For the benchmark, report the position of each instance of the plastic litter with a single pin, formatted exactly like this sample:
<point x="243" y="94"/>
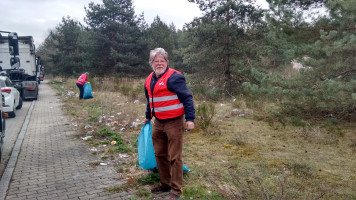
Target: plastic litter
<point x="71" y="93"/>
<point x="135" y="124"/>
<point x="87" y="137"/>
<point x="87" y="126"/>
<point x="123" y="156"/>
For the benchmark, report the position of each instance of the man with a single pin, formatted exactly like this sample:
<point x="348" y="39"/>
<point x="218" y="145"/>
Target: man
<point x="168" y="99"/>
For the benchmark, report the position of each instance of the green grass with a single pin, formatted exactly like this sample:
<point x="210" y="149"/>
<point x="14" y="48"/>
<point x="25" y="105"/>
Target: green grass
<point x="151" y="178"/>
<point x="264" y="155"/>
<point x="200" y="192"/>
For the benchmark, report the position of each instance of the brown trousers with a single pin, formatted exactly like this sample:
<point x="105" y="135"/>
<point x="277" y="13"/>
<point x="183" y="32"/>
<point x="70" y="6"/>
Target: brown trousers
<point x="167" y="140"/>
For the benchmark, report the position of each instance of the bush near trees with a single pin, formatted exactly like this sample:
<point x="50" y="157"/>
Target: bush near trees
<point x="234" y="49"/>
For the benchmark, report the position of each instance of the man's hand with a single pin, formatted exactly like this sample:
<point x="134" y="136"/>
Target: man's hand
<point x="146" y="120"/>
<point x="189" y="125"/>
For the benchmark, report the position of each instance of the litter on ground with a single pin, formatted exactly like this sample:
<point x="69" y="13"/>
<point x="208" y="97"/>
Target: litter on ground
<point x="87" y="137"/>
<point x="123" y="156"/>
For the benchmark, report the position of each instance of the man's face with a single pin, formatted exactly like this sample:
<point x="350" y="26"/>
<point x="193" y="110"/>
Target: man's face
<point x="159" y="65"/>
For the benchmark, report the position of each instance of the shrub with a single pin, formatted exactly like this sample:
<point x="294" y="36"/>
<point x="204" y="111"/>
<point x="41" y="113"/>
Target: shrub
<point x="205" y="113"/>
<point x="302" y="95"/>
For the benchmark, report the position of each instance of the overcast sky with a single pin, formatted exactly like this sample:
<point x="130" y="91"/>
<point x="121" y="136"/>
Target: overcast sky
<point x="37" y="17"/>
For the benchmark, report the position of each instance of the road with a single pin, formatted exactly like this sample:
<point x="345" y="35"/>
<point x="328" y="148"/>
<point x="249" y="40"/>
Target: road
<point x="13" y="128"/>
<point x="48" y="161"/>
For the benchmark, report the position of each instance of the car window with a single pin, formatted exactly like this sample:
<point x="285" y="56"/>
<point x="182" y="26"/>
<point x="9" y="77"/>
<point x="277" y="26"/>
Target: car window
<point x="2" y="82"/>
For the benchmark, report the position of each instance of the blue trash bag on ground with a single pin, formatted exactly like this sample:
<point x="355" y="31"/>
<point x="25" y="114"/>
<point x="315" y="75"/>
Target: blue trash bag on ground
<point x="87" y="94"/>
<point x="146" y="154"/>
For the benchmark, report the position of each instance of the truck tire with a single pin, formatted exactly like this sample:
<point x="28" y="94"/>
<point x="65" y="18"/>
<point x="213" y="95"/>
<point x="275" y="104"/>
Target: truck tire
<point x="20" y="104"/>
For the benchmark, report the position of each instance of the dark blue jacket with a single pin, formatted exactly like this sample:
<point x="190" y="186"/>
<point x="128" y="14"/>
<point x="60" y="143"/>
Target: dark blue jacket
<point x="176" y="83"/>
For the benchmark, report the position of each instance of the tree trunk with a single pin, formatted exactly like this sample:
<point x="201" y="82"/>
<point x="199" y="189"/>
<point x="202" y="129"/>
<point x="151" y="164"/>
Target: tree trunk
<point x="227" y="72"/>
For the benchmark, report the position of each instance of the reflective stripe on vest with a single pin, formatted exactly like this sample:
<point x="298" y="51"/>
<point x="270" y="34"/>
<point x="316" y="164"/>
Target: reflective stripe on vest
<point x="166" y="98"/>
<point x="167" y="108"/>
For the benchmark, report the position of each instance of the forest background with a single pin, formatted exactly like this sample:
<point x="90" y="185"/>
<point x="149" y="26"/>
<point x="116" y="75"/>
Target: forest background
<point x="274" y="89"/>
<point x="233" y="50"/>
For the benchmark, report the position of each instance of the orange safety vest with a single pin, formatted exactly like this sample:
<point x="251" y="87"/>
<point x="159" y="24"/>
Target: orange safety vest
<point x="82" y="79"/>
<point x="165" y="103"/>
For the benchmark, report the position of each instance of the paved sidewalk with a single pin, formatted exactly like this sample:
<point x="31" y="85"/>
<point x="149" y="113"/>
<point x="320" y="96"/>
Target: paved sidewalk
<point x="53" y="164"/>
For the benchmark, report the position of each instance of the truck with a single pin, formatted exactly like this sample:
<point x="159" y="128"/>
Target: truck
<point x="40" y="68"/>
<point x="18" y="61"/>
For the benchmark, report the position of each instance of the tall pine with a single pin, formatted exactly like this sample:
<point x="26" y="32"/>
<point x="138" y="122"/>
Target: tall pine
<point x="219" y="39"/>
<point x="117" y="28"/>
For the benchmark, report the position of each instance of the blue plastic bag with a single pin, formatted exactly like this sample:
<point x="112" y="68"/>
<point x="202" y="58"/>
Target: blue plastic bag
<point x="87" y="94"/>
<point x="146" y="154"/>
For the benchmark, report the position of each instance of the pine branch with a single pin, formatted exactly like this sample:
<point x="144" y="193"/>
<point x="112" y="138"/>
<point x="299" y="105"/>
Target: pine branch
<point x="345" y="73"/>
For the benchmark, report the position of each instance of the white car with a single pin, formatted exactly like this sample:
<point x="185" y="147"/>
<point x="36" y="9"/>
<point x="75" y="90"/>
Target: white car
<point x="12" y="96"/>
<point x="2" y="124"/>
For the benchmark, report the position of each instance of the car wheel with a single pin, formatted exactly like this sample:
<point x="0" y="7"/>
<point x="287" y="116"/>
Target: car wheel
<point x="20" y="103"/>
<point x="3" y="126"/>
<point x="12" y="114"/>
<point x="1" y="144"/>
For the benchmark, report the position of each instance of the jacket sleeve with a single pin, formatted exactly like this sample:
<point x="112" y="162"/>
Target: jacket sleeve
<point x="177" y="84"/>
<point x="148" y="109"/>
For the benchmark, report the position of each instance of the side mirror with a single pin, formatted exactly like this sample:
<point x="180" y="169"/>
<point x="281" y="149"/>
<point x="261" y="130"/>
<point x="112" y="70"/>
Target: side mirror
<point x="13" y="44"/>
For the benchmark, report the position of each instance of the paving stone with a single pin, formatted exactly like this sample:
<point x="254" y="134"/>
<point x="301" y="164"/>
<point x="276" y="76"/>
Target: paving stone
<point x="52" y="163"/>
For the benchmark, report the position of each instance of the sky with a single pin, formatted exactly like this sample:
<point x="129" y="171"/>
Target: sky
<point x="37" y="17"/>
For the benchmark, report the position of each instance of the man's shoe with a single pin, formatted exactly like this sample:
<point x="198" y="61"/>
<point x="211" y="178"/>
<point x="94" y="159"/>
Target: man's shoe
<point x="172" y="196"/>
<point x="159" y="189"/>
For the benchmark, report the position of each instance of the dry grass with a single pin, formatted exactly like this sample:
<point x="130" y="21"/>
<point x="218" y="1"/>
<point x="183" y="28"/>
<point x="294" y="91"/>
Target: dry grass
<point x="244" y="157"/>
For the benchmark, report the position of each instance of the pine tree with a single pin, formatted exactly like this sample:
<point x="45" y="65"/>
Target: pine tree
<point x="115" y="20"/>
<point x="219" y="38"/>
<point x="65" y="39"/>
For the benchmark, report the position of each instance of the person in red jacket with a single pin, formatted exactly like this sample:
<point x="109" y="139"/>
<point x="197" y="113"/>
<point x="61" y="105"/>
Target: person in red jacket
<point x="81" y="82"/>
<point x="168" y="100"/>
